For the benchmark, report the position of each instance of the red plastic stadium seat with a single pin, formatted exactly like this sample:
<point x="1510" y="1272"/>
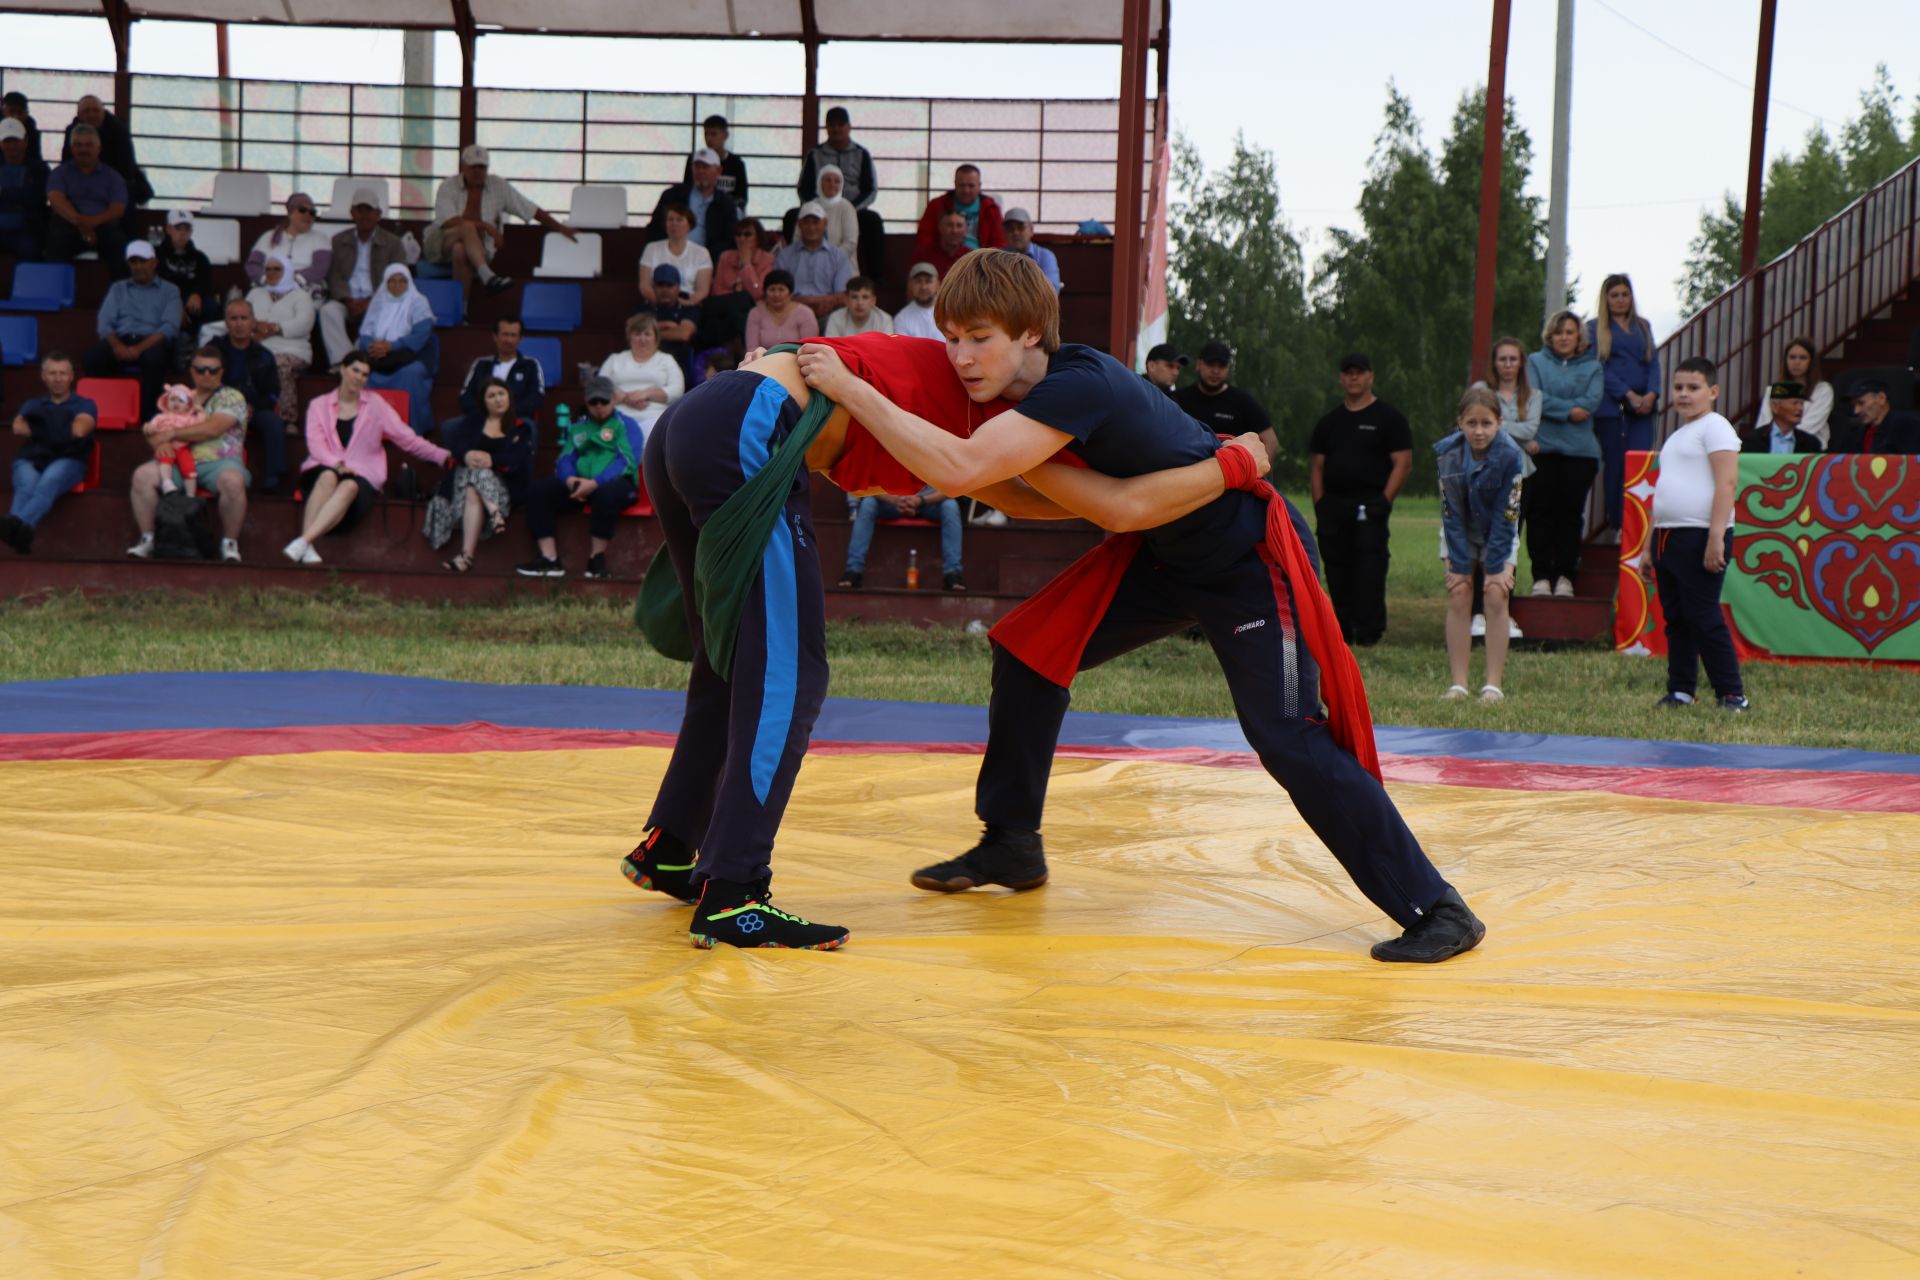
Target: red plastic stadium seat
<point x="642" y="504"/>
<point x="399" y="401"/>
<point x="118" y="400"/>
<point x="93" y="473"/>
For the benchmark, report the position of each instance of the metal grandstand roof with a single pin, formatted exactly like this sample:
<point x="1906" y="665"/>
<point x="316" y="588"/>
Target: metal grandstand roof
<point x="988" y="21"/>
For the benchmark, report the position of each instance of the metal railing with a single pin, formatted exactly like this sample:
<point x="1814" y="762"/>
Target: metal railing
<point x="1055" y="158"/>
<point x="1822" y="288"/>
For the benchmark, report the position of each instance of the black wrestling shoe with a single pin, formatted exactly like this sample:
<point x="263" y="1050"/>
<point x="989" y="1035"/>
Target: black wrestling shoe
<point x="1447" y="929"/>
<point x="662" y="864"/>
<point x="743" y="915"/>
<point x="1004" y="856"/>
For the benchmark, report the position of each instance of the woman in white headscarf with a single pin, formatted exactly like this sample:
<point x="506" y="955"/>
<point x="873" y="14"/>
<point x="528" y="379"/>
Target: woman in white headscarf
<point x="283" y="323"/>
<point x="397" y="336"/>
<point x="843" y="220"/>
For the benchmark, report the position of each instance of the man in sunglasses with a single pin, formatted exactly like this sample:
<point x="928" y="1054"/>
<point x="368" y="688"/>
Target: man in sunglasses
<point x="219" y="459"/>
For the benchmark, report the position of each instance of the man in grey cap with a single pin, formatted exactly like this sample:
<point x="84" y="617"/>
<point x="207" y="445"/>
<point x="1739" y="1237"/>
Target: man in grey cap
<point x="915" y="320"/>
<point x="599" y="469"/>
<point x="1018" y="224"/>
<point x="469" y="221"/>
<point x="361" y="256"/>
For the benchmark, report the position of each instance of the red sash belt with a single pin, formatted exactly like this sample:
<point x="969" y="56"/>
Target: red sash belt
<point x="1049" y="631"/>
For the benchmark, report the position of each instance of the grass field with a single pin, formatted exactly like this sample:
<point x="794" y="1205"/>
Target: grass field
<point x="1584" y="691"/>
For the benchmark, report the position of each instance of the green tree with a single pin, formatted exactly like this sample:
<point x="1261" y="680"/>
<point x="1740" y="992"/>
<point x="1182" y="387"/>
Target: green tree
<point x="1402" y="287"/>
<point x="1802" y="190"/>
<point x="1236" y="273"/>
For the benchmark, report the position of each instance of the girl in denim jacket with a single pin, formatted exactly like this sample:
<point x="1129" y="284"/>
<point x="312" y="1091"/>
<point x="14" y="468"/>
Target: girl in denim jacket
<point x="1479" y="467"/>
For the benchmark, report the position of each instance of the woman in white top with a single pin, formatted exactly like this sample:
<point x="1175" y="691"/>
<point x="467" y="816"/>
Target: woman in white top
<point x="283" y="321"/>
<point x="695" y="263"/>
<point x="309" y="250"/>
<point x="647" y="378"/>
<point x="843" y="221"/>
<point x="1802" y="365"/>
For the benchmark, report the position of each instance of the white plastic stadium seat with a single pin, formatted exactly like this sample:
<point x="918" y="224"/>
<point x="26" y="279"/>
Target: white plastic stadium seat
<point x="219" y="239"/>
<point x="341" y="210"/>
<point x="570" y="260"/>
<point x="241" y="195"/>
<point x="603" y="208"/>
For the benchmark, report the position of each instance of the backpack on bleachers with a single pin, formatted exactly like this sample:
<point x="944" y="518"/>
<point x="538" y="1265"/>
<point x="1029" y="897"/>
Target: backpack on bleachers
<point x="180" y="529"/>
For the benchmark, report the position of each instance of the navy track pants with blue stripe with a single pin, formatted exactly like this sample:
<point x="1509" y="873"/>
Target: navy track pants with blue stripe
<point x="741" y="740"/>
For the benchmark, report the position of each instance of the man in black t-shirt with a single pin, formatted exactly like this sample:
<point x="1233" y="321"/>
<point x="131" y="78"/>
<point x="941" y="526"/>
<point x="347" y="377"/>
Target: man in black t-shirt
<point x="1362" y="454"/>
<point x="1164" y="363"/>
<point x="1225" y="410"/>
<point x="1211" y="567"/>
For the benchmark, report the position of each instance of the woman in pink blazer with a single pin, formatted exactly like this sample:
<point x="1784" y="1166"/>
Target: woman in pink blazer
<point x="347" y="434"/>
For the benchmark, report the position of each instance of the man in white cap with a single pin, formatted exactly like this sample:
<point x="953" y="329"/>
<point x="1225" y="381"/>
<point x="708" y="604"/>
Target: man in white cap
<point x="915" y="320"/>
<point x="820" y="271"/>
<point x="713" y="211"/>
<point x="361" y="255"/>
<point x="1018" y="224"/>
<point x="23" y="193"/>
<point x="187" y="268"/>
<point x="469" y="221"/>
<point x="732" y="182"/>
<point x="137" y="324"/>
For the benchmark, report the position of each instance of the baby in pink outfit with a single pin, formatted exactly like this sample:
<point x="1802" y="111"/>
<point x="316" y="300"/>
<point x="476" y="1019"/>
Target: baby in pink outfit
<point x="177" y="412"/>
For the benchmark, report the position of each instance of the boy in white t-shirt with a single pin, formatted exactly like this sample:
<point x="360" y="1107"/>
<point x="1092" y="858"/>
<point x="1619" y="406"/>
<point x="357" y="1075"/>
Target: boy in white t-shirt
<point x="860" y="315"/>
<point x="1693" y="537"/>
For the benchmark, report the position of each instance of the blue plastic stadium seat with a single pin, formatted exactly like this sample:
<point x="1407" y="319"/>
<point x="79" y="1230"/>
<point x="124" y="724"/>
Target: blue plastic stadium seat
<point x="41" y="286"/>
<point x="448" y="298"/>
<point x="424" y="270"/>
<point x="20" y="340"/>
<point x="550" y="307"/>
<point x="547" y="352"/>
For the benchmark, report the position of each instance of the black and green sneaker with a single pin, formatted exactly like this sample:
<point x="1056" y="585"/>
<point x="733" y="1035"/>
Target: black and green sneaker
<point x="743" y="915"/>
<point x="663" y="864"/>
<point x="1004" y="856"/>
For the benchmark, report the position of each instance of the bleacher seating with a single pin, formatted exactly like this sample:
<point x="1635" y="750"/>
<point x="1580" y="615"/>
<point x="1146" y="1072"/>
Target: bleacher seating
<point x="340" y="208"/>
<point x="551" y="308"/>
<point x="448" y="299"/>
<point x="117" y="399"/>
<point x="396" y="399"/>
<point x="219" y="239"/>
<point x="598" y="208"/>
<point x="241" y="195"/>
<point x="41" y="286"/>
<point x="552" y="363"/>
<point x="19" y="340"/>
<point x="570" y="259"/>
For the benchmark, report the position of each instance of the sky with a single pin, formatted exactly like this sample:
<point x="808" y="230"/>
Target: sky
<point x="1661" y="90"/>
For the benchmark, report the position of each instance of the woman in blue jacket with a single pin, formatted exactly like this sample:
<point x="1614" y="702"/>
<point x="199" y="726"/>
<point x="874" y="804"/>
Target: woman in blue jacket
<point x="1630" y="363"/>
<point x="1570" y="383"/>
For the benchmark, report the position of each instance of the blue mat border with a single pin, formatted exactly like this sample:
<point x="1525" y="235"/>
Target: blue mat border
<point x="283" y="699"/>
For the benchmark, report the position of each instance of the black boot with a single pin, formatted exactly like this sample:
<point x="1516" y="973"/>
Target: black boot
<point x="743" y="915"/>
<point x="663" y="864"/>
<point x="1447" y="929"/>
<point x="1004" y="856"/>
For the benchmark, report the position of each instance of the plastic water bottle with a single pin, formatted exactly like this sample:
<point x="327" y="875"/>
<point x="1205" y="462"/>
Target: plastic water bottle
<point x="913" y="569"/>
<point x="563" y="418"/>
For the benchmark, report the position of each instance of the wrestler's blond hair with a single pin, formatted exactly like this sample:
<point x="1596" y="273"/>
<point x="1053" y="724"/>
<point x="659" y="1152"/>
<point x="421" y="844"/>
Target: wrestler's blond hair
<point x="1005" y="290"/>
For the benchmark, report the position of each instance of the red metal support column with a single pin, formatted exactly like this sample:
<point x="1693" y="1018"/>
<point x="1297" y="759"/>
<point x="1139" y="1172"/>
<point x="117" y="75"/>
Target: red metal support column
<point x="1492" y="162"/>
<point x="1124" y="322"/>
<point x="469" y="33"/>
<point x="1750" y="221"/>
<point x="810" y="91"/>
<point x="120" y="25"/>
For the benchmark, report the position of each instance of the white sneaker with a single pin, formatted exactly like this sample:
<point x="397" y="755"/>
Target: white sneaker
<point x="989" y="516"/>
<point x="1478" y="627"/>
<point x="1542" y="587"/>
<point x="229" y="551"/>
<point x="1455" y="692"/>
<point x="143" y="549"/>
<point x="309" y="556"/>
<point x="295" y="550"/>
<point x="1513" y="630"/>
<point x="1491" y="693"/>
<point x="1563" y="587"/>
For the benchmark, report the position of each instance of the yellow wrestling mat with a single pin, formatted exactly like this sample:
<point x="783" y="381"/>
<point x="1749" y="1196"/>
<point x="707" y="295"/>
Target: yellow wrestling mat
<point x="357" y="1015"/>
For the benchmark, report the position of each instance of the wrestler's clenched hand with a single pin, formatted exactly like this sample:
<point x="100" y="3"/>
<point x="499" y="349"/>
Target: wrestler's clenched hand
<point x="825" y="371"/>
<point x="1253" y="444"/>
